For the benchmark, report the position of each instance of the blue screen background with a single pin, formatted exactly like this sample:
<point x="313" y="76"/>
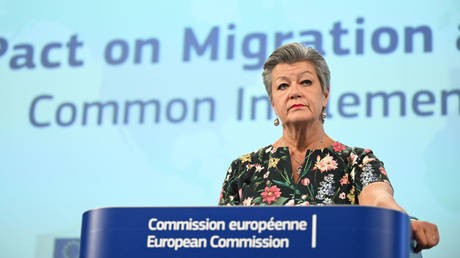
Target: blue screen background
<point x="56" y="162"/>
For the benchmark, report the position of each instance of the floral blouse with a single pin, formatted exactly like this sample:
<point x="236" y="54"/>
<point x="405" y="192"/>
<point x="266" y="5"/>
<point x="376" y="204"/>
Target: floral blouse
<point x="334" y="175"/>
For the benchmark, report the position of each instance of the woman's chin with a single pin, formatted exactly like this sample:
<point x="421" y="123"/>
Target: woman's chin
<point x="299" y="121"/>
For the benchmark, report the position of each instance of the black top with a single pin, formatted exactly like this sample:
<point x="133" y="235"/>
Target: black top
<point x="334" y="175"/>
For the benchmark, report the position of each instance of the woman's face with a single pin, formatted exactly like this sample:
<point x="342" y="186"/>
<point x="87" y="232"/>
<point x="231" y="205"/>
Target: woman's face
<point x="297" y="95"/>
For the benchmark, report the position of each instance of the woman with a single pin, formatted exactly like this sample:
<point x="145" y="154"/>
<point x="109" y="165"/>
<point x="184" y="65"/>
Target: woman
<point x="305" y="166"/>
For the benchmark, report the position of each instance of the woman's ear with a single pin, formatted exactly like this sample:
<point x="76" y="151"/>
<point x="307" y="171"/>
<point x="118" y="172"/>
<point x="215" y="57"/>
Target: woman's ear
<point x="273" y="106"/>
<point x="326" y="98"/>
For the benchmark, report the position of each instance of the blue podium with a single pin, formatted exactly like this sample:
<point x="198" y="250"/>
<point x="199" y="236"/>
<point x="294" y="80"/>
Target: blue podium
<point x="320" y="231"/>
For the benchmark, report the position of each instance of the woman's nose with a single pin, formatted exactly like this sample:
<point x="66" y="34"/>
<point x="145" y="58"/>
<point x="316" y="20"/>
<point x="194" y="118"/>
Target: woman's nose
<point x="294" y="91"/>
<point x="294" y="95"/>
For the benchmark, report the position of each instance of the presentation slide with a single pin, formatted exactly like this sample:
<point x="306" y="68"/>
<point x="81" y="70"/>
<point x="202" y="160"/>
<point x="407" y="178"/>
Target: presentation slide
<point x="146" y="103"/>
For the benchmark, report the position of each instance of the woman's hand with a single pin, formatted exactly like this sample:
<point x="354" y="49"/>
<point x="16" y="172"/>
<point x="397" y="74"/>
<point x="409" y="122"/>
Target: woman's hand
<point x="425" y="233"/>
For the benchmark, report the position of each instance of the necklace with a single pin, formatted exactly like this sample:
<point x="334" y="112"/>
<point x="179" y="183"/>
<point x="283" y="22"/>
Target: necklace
<point x="299" y="167"/>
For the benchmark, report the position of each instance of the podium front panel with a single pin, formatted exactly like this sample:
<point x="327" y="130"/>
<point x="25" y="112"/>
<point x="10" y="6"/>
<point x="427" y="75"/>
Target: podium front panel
<point x="320" y="231"/>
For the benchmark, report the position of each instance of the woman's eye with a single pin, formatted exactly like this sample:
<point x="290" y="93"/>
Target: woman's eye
<point x="306" y="82"/>
<point x="282" y="86"/>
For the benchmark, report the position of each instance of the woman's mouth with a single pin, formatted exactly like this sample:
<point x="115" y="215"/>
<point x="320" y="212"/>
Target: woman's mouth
<point x="296" y="106"/>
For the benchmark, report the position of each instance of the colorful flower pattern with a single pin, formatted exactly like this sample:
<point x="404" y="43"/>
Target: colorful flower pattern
<point x="338" y="147"/>
<point x="271" y="194"/>
<point x="325" y="164"/>
<point x="334" y="175"/>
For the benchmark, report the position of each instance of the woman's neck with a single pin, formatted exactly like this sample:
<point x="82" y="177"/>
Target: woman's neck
<point x="303" y="137"/>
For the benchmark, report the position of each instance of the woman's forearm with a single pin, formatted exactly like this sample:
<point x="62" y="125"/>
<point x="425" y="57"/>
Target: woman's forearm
<point x="379" y="194"/>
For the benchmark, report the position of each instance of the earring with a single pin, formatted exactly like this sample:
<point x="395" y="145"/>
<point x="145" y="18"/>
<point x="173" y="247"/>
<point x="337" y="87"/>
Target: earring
<point x="276" y="122"/>
<point x="323" y="115"/>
